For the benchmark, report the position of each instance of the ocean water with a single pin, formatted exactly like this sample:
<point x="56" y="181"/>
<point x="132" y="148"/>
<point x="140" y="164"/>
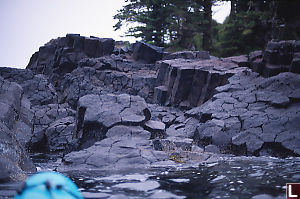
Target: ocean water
<point x="241" y="177"/>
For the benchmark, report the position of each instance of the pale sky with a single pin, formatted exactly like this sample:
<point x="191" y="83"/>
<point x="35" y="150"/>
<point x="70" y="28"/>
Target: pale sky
<point x="25" y="25"/>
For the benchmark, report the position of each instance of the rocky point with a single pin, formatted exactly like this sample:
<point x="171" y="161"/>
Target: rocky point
<point x="106" y="108"/>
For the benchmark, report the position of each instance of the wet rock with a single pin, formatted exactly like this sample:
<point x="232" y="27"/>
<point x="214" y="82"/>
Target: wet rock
<point x="263" y="196"/>
<point x="165" y="194"/>
<point x="186" y="129"/>
<point x="172" y="144"/>
<point x="88" y="195"/>
<point x="124" y="148"/>
<point x="139" y="186"/>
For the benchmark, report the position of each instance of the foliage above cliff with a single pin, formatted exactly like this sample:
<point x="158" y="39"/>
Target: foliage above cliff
<point x="188" y="24"/>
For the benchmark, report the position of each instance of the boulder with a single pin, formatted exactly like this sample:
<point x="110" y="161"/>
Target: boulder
<point x="147" y="53"/>
<point x="97" y="47"/>
<point x="59" y="135"/>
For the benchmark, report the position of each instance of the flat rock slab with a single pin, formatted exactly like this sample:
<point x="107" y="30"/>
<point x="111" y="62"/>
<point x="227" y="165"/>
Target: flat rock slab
<point x="124" y="148"/>
<point x="155" y="126"/>
<point x="110" y="109"/>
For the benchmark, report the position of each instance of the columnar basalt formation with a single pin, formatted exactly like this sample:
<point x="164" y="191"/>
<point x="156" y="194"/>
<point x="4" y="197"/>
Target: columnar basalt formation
<point x="281" y="56"/>
<point x="102" y="107"/>
<point x="252" y="115"/>
<point x="189" y="83"/>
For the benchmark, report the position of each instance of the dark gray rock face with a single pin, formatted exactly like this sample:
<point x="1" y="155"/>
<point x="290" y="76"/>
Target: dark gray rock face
<point x="189" y="83"/>
<point x="37" y="88"/>
<point x="77" y="66"/>
<point x="107" y="74"/>
<point x="98" y="113"/>
<point x="15" y="132"/>
<point x="147" y="53"/>
<point x="252" y="115"/>
<point x="54" y="126"/>
<point x="82" y="94"/>
<point x="61" y="56"/>
<point x="278" y="57"/>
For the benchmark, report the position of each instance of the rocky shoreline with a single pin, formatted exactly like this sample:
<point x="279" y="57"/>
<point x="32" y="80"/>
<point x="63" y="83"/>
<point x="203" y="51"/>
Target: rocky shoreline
<point x="133" y="107"/>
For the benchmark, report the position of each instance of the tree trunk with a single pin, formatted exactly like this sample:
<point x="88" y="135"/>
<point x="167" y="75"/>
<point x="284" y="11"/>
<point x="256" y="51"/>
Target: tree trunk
<point x="233" y="7"/>
<point x="207" y="33"/>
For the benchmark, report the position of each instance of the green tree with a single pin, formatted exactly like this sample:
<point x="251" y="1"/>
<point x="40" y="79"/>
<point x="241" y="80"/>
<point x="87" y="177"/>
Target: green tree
<point x="252" y="23"/>
<point x="287" y="20"/>
<point x="207" y="31"/>
<point x="247" y="28"/>
<point x="149" y="16"/>
<point x="181" y="23"/>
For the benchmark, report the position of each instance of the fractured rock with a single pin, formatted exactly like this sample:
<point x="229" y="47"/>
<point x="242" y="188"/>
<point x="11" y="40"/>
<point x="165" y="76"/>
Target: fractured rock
<point x="189" y="83"/>
<point x="278" y="57"/>
<point x="98" y="113"/>
<point x="260" y="117"/>
<point x="15" y="132"/>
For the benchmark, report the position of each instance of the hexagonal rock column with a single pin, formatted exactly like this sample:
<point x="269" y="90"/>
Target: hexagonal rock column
<point x="189" y="83"/>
